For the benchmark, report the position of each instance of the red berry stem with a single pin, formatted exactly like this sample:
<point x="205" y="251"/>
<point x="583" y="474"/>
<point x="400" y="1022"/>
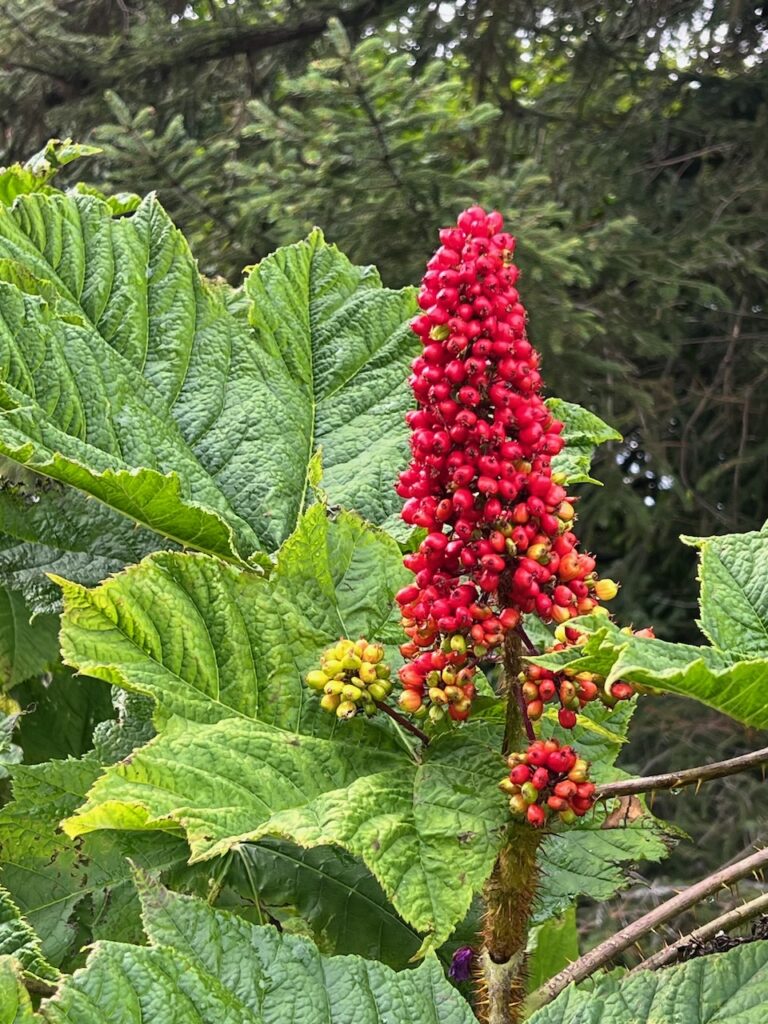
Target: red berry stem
<point x="527" y="723"/>
<point x="403" y="721"/>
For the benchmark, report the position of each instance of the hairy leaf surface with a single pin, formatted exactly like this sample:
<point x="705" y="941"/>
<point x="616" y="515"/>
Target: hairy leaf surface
<point x="238" y="780"/>
<point x="214" y="968"/>
<point x="131" y="378"/>
<point x="207" y="640"/>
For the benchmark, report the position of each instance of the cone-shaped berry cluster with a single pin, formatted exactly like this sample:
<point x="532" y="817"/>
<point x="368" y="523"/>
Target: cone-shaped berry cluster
<point x="569" y="688"/>
<point x="548" y="780"/>
<point x="352" y="677"/>
<point x="500" y="540"/>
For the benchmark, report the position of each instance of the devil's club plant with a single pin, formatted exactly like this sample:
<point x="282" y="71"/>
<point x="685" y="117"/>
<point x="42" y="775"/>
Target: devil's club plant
<point x="287" y="801"/>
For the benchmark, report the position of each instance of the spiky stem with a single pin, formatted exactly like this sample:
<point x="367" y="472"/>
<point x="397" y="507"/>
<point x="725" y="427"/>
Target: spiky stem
<point x="510" y="891"/>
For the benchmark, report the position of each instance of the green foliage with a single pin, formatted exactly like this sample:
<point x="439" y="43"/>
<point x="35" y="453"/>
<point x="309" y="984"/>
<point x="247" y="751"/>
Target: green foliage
<point x="207" y="640"/>
<point x="15" y="1004"/>
<point x="328" y="892"/>
<point x="217" y="968"/>
<point x="60" y="715"/>
<point x="238" y="444"/>
<point x="731" y="986"/>
<point x="26" y="649"/>
<point x="734" y="613"/>
<point x="551" y="947"/>
<point x="17" y="939"/>
<point x="183" y="376"/>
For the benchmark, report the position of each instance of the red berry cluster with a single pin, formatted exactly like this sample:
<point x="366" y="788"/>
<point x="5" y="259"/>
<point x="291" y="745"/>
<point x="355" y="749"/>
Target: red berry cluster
<point x="499" y="540"/>
<point x="548" y="779"/>
<point x="570" y="688"/>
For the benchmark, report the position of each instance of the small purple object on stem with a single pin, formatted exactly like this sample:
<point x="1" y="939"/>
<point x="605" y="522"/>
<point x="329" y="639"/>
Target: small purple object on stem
<point x="461" y="963"/>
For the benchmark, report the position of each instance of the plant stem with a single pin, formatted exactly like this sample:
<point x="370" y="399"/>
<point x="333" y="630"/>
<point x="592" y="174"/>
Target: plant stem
<point x="517" y="719"/>
<point x="674" y="780"/>
<point x="610" y="949"/>
<point x="510" y="891"/>
<point x="402" y="721"/>
<point x="731" y="919"/>
<point x="508" y="896"/>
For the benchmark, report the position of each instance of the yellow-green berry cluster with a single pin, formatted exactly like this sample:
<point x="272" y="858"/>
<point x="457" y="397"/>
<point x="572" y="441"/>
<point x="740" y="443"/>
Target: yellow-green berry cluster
<point x="352" y="677"/>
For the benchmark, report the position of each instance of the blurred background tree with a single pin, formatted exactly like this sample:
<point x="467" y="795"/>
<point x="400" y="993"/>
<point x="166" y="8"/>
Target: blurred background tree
<point x="626" y="142"/>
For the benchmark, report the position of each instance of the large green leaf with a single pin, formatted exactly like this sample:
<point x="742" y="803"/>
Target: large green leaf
<point x="243" y="771"/>
<point x="62" y="886"/>
<point x="211" y="967"/>
<point x="429" y="832"/>
<point x="734" y="592"/>
<point x="15" y="1004"/>
<point x="27" y="648"/>
<point x="713" y="677"/>
<point x="331" y="892"/>
<point x="583" y="433"/>
<point x="725" y="987"/>
<point x="591" y="861"/>
<point x="18" y="939"/>
<point x="195" y="416"/>
<point x="339" y="352"/>
<point x="732" y="674"/>
<point x="207" y="640"/>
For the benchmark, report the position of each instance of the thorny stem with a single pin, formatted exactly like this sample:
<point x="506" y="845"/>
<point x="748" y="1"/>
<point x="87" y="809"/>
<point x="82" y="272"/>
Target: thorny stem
<point x="686" y="777"/>
<point x="616" y="944"/>
<point x="517" y="715"/>
<point x="402" y="721"/>
<point x="731" y="919"/>
<point x="510" y="891"/>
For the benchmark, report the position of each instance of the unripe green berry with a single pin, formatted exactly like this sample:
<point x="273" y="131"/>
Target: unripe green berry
<point x="346" y="709"/>
<point x="529" y="793"/>
<point x="316" y="680"/>
<point x="350" y="692"/>
<point x="368" y="673"/>
<point x="517" y="804"/>
<point x="334" y="686"/>
<point x="330" y="701"/>
<point x="377" y="691"/>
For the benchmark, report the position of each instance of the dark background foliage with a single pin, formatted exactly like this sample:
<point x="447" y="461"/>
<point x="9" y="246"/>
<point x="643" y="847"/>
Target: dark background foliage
<point x="625" y="142"/>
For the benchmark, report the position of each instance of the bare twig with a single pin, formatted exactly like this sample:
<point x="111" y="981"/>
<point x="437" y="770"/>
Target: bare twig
<point x="732" y="919"/>
<point x="686" y="777"/>
<point x="611" y="948"/>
